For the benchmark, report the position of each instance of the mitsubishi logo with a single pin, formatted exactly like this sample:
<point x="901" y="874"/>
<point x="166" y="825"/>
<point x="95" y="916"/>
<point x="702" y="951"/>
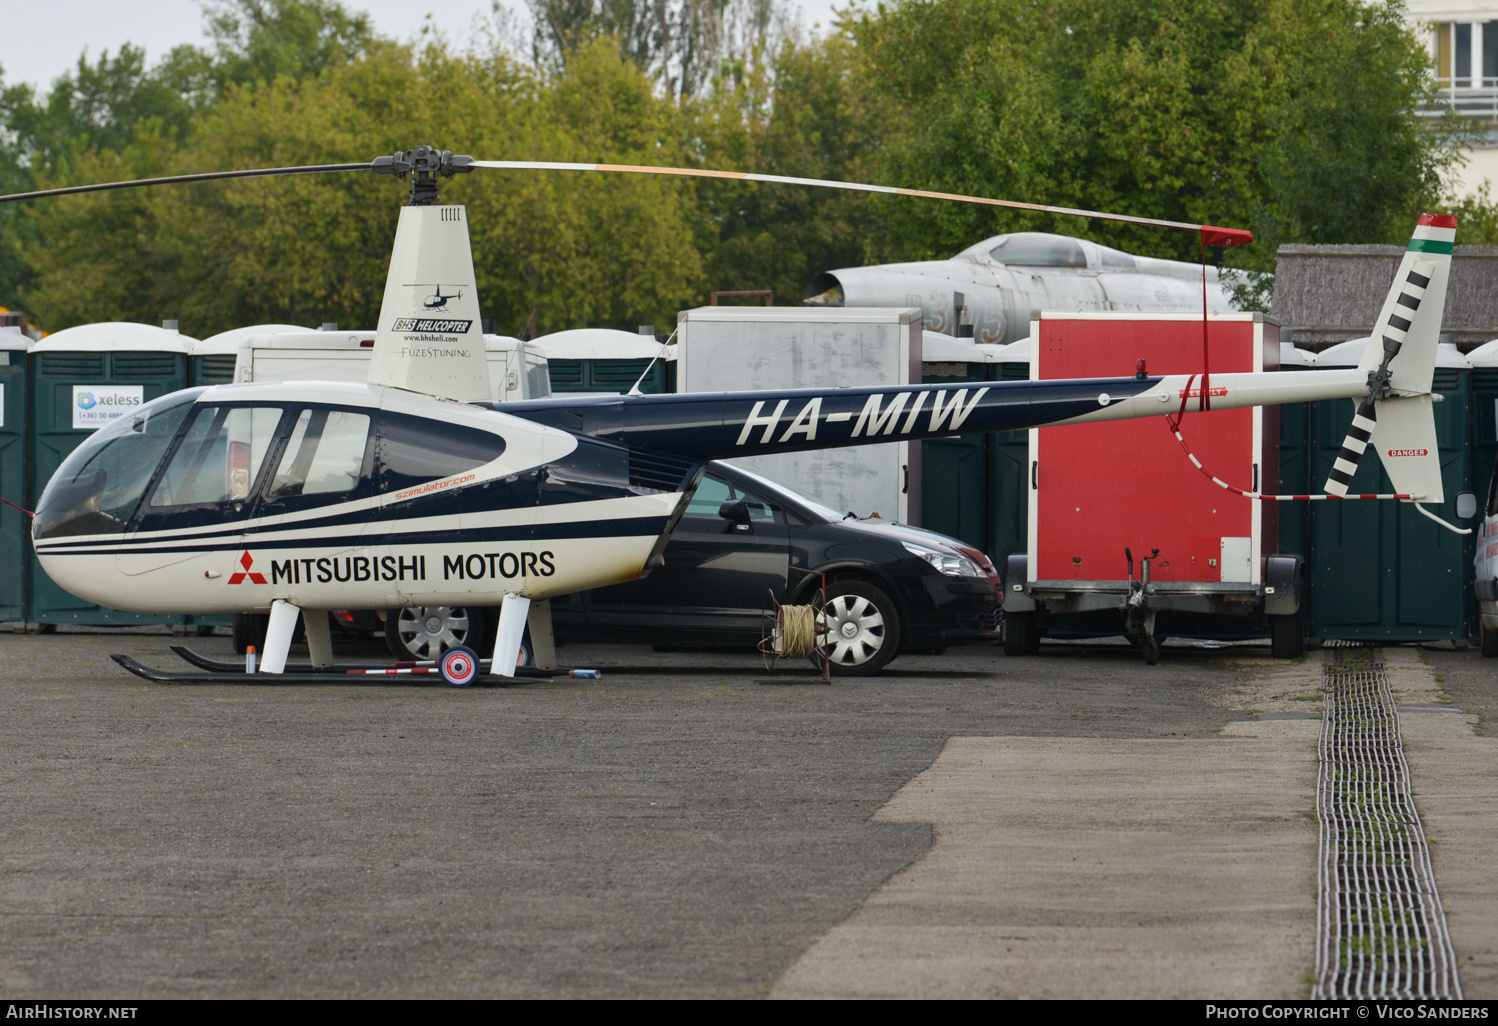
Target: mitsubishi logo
<point x="246" y="562"/>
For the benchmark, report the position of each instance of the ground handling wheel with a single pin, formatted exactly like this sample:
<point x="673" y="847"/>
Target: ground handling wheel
<point x="458" y="666"/>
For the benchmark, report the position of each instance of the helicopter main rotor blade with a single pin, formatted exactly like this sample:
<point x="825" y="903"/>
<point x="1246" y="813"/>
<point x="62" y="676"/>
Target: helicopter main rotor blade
<point x="1212" y="234"/>
<point x="428" y="163"/>
<point x="209" y="176"/>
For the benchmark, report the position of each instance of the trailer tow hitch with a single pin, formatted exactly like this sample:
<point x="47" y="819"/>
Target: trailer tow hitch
<point x="1139" y="618"/>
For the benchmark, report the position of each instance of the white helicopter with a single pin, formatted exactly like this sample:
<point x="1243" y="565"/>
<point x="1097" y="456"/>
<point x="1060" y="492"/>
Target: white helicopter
<point x="415" y="489"/>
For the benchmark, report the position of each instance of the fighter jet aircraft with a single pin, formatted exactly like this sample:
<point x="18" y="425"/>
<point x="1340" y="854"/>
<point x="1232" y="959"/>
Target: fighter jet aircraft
<point x="995" y="285"/>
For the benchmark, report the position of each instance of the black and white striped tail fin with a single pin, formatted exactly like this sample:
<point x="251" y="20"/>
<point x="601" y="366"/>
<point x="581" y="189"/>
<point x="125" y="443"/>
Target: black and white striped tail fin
<point x="1353" y="446"/>
<point x="1400" y="362"/>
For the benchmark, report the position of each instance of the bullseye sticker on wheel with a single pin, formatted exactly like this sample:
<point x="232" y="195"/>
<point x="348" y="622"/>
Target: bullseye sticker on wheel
<point x="459" y="666"/>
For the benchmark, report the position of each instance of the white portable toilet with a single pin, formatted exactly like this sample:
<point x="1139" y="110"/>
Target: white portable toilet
<point x="212" y="361"/>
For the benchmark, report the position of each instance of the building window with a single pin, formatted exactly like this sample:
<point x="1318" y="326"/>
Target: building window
<point x="1466" y="54"/>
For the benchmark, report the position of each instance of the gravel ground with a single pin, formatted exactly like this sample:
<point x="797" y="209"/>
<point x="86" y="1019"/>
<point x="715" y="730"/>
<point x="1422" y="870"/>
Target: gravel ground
<point x="685" y="826"/>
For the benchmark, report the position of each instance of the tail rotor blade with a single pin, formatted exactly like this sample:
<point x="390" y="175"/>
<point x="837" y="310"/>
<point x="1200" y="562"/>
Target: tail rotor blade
<point x="1353" y="446"/>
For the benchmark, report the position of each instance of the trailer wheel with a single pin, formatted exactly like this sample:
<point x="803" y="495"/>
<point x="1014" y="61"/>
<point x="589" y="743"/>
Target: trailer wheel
<point x="1150" y="646"/>
<point x="1287" y="636"/>
<point x="1489" y="641"/>
<point x="1021" y="634"/>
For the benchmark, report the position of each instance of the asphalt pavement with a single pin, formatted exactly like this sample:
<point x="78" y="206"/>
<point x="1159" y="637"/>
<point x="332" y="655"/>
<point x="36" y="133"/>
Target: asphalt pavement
<point x="686" y="826"/>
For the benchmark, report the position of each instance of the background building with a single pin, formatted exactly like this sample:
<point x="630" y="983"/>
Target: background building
<point x="1463" y="39"/>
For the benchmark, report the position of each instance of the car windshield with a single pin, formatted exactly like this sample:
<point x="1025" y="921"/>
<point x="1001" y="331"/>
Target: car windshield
<point x="780" y="491"/>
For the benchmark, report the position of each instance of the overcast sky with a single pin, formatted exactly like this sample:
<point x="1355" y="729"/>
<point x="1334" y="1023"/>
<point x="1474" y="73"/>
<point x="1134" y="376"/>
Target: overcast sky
<point x="43" y="39"/>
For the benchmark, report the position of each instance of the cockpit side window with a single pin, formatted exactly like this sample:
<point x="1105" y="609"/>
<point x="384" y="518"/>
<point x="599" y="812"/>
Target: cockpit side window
<point x="98" y="486"/>
<point x="413" y="450"/>
<point x="325" y="461"/>
<point x="219" y="457"/>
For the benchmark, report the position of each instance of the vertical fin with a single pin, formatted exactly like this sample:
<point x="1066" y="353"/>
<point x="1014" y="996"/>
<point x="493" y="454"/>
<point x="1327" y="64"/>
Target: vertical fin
<point x="1401" y="355"/>
<point x="430" y="338"/>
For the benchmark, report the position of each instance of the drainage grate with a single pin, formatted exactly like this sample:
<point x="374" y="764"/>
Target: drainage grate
<point x="1381" y="932"/>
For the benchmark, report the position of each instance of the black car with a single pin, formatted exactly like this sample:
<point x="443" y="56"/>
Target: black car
<point x="890" y="588"/>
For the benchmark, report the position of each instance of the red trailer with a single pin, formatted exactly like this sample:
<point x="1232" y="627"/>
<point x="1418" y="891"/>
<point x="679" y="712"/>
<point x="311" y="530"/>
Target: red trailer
<point x="1126" y="536"/>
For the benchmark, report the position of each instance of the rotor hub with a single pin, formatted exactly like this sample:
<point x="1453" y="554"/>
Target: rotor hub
<point x="424" y="164"/>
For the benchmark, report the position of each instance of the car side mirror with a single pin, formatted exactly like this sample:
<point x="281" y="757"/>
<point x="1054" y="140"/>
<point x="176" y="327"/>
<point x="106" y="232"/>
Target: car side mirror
<point x="736" y="510"/>
<point x="1466" y="506"/>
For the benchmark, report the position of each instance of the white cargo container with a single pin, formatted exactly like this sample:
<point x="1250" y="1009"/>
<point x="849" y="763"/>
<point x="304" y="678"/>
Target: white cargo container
<point x="730" y="349"/>
<point x="516" y="370"/>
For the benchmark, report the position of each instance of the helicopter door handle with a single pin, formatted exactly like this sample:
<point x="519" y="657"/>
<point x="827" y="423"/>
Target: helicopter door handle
<point x="1035" y="474"/>
<point x="1256" y="478"/>
<point x="905" y="488"/>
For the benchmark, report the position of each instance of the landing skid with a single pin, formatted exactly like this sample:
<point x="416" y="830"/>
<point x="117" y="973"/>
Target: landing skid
<point x="218" y="671"/>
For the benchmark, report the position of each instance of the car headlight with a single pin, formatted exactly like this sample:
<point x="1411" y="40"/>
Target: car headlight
<point x="949" y="563"/>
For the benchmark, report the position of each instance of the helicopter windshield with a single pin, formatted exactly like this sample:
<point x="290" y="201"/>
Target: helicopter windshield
<point x="100" y="483"/>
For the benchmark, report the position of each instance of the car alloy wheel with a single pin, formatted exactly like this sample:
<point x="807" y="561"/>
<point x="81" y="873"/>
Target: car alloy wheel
<point x="863" y="629"/>
<point x="425" y="632"/>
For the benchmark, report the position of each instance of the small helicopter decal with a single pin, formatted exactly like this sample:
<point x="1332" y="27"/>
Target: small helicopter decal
<point x="415" y="489"/>
<point x="437" y="301"/>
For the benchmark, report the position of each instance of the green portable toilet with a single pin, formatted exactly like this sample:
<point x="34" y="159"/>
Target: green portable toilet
<point x="81" y="378"/>
<point x="1295" y="456"/>
<point x="605" y="360"/>
<point x="1379" y="570"/>
<point x="954" y="471"/>
<point x="211" y="361"/>
<point x="13" y="524"/>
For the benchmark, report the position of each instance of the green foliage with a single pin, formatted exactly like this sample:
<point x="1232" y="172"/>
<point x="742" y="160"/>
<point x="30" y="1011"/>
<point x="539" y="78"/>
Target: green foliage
<point x="1290" y="117"/>
<point x="1476" y="218"/>
<point x="262" y="40"/>
<point x="802" y="115"/>
<point x="582" y="250"/>
<point x="1293" y="119"/>
<point x="683" y="44"/>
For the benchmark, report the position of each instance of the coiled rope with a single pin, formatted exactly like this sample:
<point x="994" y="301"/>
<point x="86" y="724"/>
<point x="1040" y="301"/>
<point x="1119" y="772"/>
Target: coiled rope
<point x="798" y="630"/>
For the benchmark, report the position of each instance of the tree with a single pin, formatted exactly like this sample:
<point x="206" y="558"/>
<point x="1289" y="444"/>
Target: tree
<point x="801" y="115"/>
<point x="684" y="44"/>
<point x="1295" y="118"/>
<point x="579" y="249"/>
<point x="262" y="40"/>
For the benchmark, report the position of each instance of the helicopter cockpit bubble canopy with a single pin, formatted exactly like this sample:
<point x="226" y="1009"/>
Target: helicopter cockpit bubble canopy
<point x="98" y="486"/>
